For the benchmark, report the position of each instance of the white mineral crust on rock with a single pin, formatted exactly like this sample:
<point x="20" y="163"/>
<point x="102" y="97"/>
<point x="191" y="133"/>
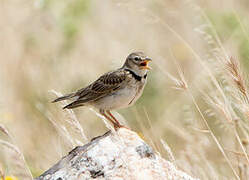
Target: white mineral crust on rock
<point x="115" y="155"/>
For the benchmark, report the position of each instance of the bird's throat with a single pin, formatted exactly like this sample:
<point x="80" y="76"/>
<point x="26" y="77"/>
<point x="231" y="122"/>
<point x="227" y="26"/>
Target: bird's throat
<point x="137" y="77"/>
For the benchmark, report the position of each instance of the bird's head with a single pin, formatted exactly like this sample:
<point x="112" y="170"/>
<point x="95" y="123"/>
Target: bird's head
<point x="138" y="63"/>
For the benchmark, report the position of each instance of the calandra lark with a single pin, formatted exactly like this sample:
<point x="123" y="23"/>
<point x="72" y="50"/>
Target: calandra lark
<point x="113" y="90"/>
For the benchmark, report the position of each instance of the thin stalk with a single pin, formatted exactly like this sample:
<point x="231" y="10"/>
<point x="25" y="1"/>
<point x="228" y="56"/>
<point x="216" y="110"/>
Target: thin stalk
<point x="241" y="145"/>
<point x="213" y="136"/>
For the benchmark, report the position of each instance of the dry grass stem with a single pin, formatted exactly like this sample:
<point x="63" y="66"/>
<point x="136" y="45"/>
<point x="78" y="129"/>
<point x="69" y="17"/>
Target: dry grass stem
<point x="72" y="120"/>
<point x="169" y="152"/>
<point x="106" y="122"/>
<point x="4" y="130"/>
<point x="196" y="96"/>
<point x="235" y="72"/>
<point x="214" y="137"/>
<point x="63" y="132"/>
<point x="19" y="161"/>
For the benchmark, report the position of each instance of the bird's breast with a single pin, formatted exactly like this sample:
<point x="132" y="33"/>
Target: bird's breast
<point x="124" y="97"/>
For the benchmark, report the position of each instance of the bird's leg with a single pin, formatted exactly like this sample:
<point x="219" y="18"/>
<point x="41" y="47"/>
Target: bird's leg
<point x="116" y="121"/>
<point x="116" y="125"/>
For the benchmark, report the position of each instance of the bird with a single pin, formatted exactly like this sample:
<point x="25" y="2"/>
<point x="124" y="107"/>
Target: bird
<point x="113" y="90"/>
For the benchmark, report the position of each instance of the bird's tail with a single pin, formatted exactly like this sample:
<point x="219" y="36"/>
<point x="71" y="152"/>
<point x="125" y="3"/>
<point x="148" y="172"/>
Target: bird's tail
<point x="68" y="96"/>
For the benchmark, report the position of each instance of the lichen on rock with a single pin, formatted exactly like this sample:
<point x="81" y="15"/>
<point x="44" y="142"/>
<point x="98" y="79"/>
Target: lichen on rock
<point x="114" y="155"/>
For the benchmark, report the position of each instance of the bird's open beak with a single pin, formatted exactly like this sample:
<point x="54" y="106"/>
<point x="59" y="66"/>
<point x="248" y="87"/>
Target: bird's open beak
<point x="144" y="64"/>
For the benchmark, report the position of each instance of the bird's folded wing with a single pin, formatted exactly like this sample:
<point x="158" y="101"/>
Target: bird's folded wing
<point x="106" y="84"/>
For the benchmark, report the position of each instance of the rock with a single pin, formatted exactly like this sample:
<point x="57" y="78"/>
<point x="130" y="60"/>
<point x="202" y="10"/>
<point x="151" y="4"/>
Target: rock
<point x="114" y="155"/>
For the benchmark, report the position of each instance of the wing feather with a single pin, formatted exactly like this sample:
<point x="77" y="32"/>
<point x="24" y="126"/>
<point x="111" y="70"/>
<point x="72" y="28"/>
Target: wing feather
<point x="103" y="86"/>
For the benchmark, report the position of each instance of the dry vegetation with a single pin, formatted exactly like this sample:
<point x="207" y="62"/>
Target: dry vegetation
<point x="196" y="98"/>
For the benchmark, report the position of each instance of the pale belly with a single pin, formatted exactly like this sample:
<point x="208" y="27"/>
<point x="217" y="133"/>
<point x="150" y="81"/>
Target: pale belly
<point x="120" y="99"/>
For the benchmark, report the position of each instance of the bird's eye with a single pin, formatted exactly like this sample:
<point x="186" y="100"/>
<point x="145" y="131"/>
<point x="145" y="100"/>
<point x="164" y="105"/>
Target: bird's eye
<point x="136" y="58"/>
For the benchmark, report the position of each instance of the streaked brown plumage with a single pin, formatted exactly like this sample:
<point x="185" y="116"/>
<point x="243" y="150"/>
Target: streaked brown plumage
<point x="114" y="90"/>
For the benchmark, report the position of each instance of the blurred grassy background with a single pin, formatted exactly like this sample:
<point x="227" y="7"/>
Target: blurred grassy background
<point x="64" y="45"/>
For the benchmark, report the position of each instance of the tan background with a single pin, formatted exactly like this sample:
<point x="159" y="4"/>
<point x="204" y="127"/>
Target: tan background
<point x="64" y="45"/>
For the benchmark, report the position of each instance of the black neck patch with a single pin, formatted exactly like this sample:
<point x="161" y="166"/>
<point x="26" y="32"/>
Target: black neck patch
<point x="137" y="77"/>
